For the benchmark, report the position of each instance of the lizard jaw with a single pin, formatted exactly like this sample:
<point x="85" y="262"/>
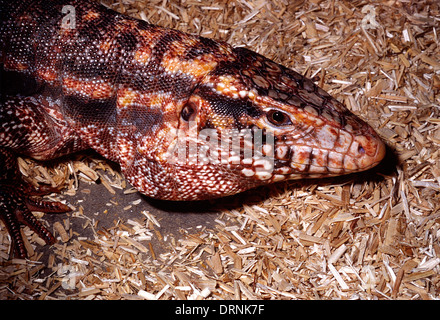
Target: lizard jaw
<point x="298" y="160"/>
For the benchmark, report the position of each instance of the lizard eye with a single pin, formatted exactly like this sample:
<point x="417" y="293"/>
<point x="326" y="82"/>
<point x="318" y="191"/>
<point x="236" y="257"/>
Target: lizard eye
<point x="187" y="112"/>
<point x="278" y="118"/>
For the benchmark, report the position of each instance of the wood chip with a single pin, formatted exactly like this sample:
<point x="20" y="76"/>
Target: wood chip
<point x="61" y="231"/>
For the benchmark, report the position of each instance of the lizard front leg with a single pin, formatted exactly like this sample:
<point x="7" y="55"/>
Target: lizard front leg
<point x="24" y="129"/>
<point x="17" y="199"/>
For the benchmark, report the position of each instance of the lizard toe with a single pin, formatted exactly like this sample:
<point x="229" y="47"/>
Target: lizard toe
<point x="15" y="211"/>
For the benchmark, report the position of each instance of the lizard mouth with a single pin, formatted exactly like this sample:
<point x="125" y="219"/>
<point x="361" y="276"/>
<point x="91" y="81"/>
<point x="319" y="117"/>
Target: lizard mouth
<point x="295" y="161"/>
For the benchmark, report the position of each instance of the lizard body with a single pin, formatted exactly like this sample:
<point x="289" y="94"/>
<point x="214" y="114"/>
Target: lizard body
<point x="186" y="117"/>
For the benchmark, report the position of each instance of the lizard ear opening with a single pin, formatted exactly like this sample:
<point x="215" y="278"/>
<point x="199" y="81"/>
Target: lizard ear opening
<point x="188" y="112"/>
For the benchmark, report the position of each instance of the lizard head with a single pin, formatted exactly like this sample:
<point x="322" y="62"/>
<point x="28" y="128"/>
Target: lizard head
<point x="247" y="121"/>
<point x="252" y="122"/>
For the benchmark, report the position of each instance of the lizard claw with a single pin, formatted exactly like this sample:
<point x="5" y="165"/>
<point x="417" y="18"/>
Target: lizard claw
<point x="15" y="211"/>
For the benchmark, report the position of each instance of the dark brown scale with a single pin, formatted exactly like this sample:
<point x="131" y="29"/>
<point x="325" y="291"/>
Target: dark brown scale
<point x="79" y="109"/>
<point x="228" y="107"/>
<point x="281" y="163"/>
<point x="279" y="82"/>
<point x="207" y="46"/>
<point x="312" y="99"/>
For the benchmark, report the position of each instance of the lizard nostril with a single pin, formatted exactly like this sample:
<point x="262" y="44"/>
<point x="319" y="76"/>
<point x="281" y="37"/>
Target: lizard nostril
<point x="361" y="150"/>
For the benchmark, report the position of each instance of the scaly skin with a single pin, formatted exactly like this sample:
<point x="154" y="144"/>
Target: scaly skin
<point x="167" y="106"/>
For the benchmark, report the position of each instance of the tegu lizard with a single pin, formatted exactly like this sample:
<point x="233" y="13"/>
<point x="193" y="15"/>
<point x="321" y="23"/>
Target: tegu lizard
<point x="185" y="117"/>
